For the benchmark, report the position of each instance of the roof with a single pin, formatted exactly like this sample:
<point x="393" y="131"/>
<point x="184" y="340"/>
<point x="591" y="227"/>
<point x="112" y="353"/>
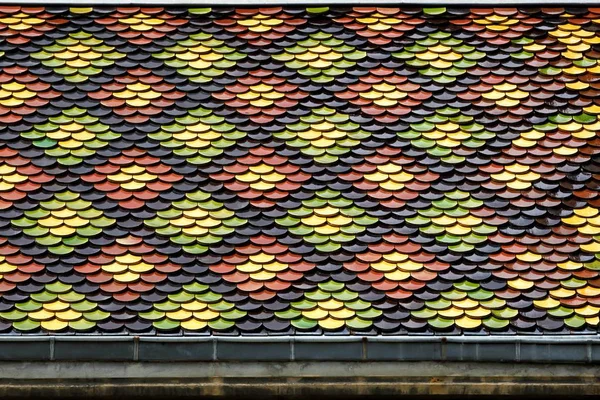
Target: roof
<point x="299" y="171"/>
<point x="309" y="3"/>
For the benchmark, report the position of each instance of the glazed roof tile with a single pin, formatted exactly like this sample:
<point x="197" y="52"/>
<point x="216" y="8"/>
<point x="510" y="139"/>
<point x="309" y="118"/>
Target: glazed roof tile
<point x="293" y="171"/>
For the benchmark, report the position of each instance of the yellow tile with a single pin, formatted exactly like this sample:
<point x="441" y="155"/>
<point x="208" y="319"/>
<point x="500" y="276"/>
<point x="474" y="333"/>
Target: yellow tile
<point x="141" y="267"/>
<point x="314" y="220"/>
<point x="587" y="311"/>
<point x="114" y="268"/>
<point x="339" y="220"/>
<point x="504" y="176"/>
<point x="452" y="312"/>
<point x="179" y="315"/>
<point x="194" y="306"/>
<point x="206" y="315"/>
<point x="562" y="293"/>
<point x="410" y="265"/>
<point x="478" y="312"/>
<point x="395" y="256"/>
<point x="589" y="229"/>
<point x="6" y="267"/>
<point x="470" y="221"/>
<point x="458" y="230"/>
<point x="506" y="102"/>
<point x="589" y="291"/>
<point x="275" y="266"/>
<point x="315" y="314"/>
<point x="570" y="265"/>
<point x="12" y="102"/>
<point x="263" y="276"/>
<point x="520" y="284"/>
<point x="127" y="277"/>
<point x="466" y="303"/>
<point x="391" y="186"/>
<point x="81" y="10"/>
<point x="518" y="185"/>
<point x="54" y="325"/>
<point x="397" y="275"/>
<point x="191" y="216"/>
<point x="68" y="315"/>
<point x="208" y="222"/>
<point x="262" y="258"/>
<point x="467" y="322"/>
<point x="529" y="257"/>
<point x="137" y="102"/>
<point x="342" y="314"/>
<point x="331" y="304"/>
<point x="41" y="315"/>
<point x="331" y="323"/>
<point x="547" y="303"/>
<point x="195" y="231"/>
<point x="592" y="247"/>
<point x="444" y="220"/>
<point x="262" y="186"/>
<point x="193" y="324"/>
<point x="595" y="220"/>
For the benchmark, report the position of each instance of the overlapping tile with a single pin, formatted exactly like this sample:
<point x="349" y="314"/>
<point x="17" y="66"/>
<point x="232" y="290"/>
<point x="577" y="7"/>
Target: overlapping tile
<point x="287" y="170"/>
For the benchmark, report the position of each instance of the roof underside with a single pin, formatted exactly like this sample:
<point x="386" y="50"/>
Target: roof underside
<point x="299" y="171"/>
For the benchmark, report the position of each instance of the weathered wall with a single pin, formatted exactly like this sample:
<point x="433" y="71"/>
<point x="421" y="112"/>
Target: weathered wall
<point x="292" y="379"/>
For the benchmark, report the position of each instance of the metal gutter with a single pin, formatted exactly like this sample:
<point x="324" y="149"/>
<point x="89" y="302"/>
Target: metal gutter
<point x="109" y="367"/>
<point x="259" y="3"/>
<point x="583" y="349"/>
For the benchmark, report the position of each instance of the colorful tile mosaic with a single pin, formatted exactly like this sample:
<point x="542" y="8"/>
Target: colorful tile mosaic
<point x="290" y="171"/>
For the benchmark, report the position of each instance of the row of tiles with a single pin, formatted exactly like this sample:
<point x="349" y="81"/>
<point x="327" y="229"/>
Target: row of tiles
<point x="287" y="170"/>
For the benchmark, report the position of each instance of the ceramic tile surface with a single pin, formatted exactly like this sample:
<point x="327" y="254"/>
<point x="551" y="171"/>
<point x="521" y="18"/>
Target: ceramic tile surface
<point x="299" y="171"/>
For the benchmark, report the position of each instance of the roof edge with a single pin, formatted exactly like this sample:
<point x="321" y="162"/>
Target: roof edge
<point x="548" y="349"/>
<point x="213" y="3"/>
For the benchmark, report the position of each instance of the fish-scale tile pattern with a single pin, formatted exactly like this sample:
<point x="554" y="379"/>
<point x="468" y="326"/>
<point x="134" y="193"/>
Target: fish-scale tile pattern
<point x="289" y="170"/>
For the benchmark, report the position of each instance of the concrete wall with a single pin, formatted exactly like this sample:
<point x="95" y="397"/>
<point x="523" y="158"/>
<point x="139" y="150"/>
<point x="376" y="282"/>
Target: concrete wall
<point x="267" y="380"/>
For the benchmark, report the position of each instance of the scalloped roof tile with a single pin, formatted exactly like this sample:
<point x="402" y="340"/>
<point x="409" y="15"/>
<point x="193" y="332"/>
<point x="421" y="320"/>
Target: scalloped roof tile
<point x="289" y="170"/>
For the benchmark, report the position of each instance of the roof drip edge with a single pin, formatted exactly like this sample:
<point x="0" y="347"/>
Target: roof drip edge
<point x="556" y="349"/>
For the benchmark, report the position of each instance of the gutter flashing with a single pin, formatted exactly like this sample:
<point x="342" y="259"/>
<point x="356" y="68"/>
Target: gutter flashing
<point x="555" y="349"/>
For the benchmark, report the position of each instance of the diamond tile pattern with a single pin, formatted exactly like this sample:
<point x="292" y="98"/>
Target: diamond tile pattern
<point x="277" y="171"/>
